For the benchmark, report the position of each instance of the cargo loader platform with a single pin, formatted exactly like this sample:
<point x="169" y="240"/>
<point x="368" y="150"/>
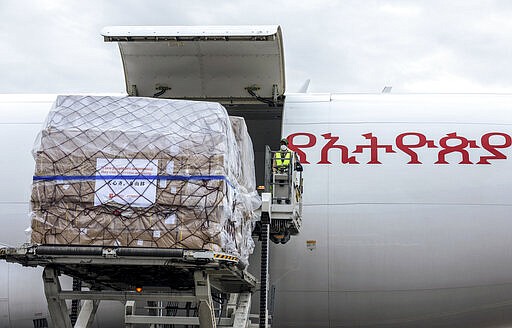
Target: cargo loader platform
<point x="172" y="286"/>
<point x="282" y="195"/>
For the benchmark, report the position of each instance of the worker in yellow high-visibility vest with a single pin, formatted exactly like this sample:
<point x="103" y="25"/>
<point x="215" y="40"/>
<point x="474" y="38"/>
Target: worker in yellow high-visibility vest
<point x="283" y="157"/>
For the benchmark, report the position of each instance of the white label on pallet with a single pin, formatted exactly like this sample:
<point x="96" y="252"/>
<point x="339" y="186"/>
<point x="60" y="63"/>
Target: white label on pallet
<point x="136" y="192"/>
<point x="170" y="168"/>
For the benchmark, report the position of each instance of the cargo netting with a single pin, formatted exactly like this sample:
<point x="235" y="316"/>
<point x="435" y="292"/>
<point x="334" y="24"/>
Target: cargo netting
<point x="144" y="172"/>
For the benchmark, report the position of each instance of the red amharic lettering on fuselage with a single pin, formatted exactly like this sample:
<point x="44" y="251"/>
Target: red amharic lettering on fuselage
<point x="409" y="143"/>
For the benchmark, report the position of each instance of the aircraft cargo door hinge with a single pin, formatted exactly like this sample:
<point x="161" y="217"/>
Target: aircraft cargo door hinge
<point x="252" y="91"/>
<point x="161" y="89"/>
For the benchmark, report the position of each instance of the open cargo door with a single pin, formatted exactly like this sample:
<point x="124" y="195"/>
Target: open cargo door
<point x="228" y="64"/>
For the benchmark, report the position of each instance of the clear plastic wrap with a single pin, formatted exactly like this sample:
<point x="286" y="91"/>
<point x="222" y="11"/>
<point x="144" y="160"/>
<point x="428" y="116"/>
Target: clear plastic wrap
<point x="247" y="179"/>
<point x="129" y="171"/>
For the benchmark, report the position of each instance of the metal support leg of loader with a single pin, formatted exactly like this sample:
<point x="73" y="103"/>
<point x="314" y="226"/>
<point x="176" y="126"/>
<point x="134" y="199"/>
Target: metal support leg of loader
<point x="56" y="306"/>
<point x="129" y="310"/>
<point x="87" y="313"/>
<point x="204" y="297"/>
<point x="241" y="317"/>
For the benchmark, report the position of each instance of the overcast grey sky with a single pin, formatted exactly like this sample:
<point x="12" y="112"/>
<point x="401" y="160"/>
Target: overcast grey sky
<point x="53" y="46"/>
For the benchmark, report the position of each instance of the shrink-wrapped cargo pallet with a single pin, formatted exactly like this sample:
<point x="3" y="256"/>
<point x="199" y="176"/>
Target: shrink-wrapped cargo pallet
<point x="128" y="171"/>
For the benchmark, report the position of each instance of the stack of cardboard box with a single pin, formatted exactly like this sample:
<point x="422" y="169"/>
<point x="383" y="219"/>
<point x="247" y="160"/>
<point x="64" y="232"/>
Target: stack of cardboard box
<point x="107" y="173"/>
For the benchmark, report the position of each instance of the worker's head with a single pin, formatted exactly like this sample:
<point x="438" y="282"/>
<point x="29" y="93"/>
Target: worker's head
<point x="284" y="144"/>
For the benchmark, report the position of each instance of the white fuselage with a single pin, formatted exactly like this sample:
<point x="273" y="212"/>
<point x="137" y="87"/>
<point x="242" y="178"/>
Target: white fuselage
<point x="396" y="243"/>
<point x="417" y="240"/>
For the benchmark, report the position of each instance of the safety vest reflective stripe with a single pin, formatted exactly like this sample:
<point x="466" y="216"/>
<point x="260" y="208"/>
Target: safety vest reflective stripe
<point x="283" y="162"/>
